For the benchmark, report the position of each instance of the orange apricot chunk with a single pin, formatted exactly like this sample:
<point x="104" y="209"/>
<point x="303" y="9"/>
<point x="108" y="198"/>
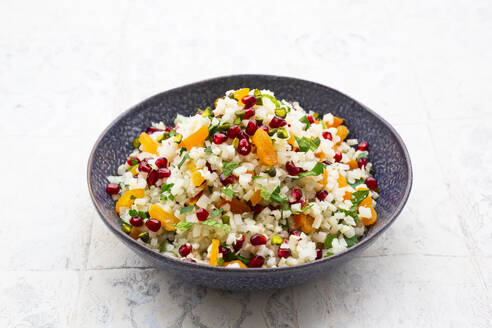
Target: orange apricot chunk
<point x="372" y="219"/>
<point x="342" y="132"/>
<point x="149" y="145"/>
<point x="352" y="164"/>
<point x="127" y="199"/>
<point x="342" y="182"/>
<point x="240" y="94"/>
<point x="195" y="139"/>
<point x="256" y="197"/>
<point x="214" y="252"/>
<point x="167" y="219"/>
<point x="196" y="176"/>
<point x="336" y="122"/>
<point x="241" y="264"/>
<point x="264" y="148"/>
<point x="304" y="222"/>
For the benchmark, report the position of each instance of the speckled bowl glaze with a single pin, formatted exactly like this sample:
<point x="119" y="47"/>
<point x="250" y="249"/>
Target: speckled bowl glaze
<point x="389" y="156"/>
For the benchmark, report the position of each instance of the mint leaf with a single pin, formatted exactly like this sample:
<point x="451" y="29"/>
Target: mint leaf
<point x="167" y="187"/>
<point x="185" y="157"/>
<point x="306" y="144"/>
<point x="228" y="192"/>
<point x="215" y="224"/>
<point x="228" y="167"/>
<point x="182" y="225"/>
<point x="182" y="150"/>
<point x="172" y="133"/>
<point x="186" y="209"/>
<point x="357" y="182"/>
<point x="303" y="209"/>
<point x="133" y="213"/>
<point x="216" y="213"/>
<point x="273" y="197"/>
<point x="351" y="241"/>
<point x="363" y="154"/>
<point x="358" y="197"/>
<point x="305" y="120"/>
<point x="329" y="240"/>
<point x="208" y="149"/>
<point x="256" y="177"/>
<point x="315" y="171"/>
<point x="328" y="254"/>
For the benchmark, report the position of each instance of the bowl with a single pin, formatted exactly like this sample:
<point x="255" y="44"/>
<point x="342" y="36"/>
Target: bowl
<point x="390" y="158"/>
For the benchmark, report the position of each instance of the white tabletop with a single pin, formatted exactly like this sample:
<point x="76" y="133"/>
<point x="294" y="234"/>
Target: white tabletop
<point x="67" y="69"/>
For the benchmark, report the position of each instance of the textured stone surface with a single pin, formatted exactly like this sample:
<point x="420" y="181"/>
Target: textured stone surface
<point x="66" y="70"/>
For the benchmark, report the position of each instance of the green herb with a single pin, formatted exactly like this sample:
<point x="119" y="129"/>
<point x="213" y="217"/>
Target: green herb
<point x="358" y="197"/>
<point x="328" y="254"/>
<point x="305" y="120"/>
<point x="185" y="157"/>
<point x="271" y="171"/>
<point x="256" y="177"/>
<point x="232" y="257"/>
<point x="257" y="94"/>
<point x="212" y="129"/>
<point x="328" y="241"/>
<point x="306" y="144"/>
<point x="315" y="171"/>
<point x="183" y="226"/>
<point x="357" y="182"/>
<point x="136" y="143"/>
<point x="215" y="224"/>
<point x="132" y="197"/>
<point x="186" y="209"/>
<point x="167" y="187"/>
<point x="182" y="150"/>
<point x="228" y="192"/>
<point x="220" y="261"/>
<point x="362" y="155"/>
<point x="351" y="241"/>
<point x="274" y="196"/>
<point x="131" y="167"/>
<point x="162" y="245"/>
<point x="228" y="167"/>
<point x="323" y="125"/>
<point x="352" y="212"/>
<point x="133" y="213"/>
<point x="210" y="189"/>
<point x="303" y="210"/>
<point x="208" y="149"/>
<point x="207" y="112"/>
<point x="172" y="133"/>
<point x="134" y="161"/>
<point x="272" y="98"/>
<point x="216" y="213"/>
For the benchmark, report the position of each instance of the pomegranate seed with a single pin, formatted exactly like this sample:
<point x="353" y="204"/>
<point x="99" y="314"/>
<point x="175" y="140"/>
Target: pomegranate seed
<point x="242" y="135"/>
<point x="319" y="254"/>
<point x="248" y="113"/>
<point x="201" y="214"/>
<point x="258" y="208"/>
<point x="161" y="162"/>
<point x="372" y="184"/>
<point x="258" y="239"/>
<point x="277" y="122"/>
<point x="251" y="127"/>
<point x="152" y="177"/>
<point x="327" y="135"/>
<point x="364" y="145"/>
<point x="338" y="157"/>
<point x="189" y="260"/>
<point x="244" y="147"/>
<point x="264" y="128"/>
<point x="249" y="101"/>
<point x="310" y="119"/>
<point x="291" y="168"/>
<point x="233" y="131"/>
<point x="185" y="249"/>
<point x="168" y="129"/>
<point x="163" y="173"/>
<point x="112" y="188"/>
<point x="295" y="195"/>
<point x="144" y="167"/>
<point x="226" y="181"/>
<point x="256" y="262"/>
<point x="362" y="162"/>
<point x="136" y="221"/>
<point x="238" y="243"/>
<point x="153" y="225"/>
<point x="326" y="162"/>
<point x="321" y="195"/>
<point x="295" y="233"/>
<point x="283" y="252"/>
<point x="152" y="129"/>
<point x="209" y="167"/>
<point x="219" y="138"/>
<point x="224" y="250"/>
<point x="132" y="161"/>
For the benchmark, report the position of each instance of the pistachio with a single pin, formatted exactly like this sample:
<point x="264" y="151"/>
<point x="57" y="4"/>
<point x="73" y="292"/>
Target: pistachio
<point x="282" y="133"/>
<point x="177" y="138"/>
<point x="277" y="240"/>
<point x="136" y="143"/>
<point x="144" y="236"/>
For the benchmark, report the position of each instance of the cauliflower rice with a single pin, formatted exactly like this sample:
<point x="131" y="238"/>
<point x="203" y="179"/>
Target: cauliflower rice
<point x="254" y="182"/>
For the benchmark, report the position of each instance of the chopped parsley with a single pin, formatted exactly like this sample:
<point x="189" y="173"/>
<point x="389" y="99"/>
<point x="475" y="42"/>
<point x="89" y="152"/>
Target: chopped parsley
<point x="183" y="226"/>
<point x="363" y="154"/>
<point x="306" y="144"/>
<point x="303" y="210"/>
<point x="186" y="209"/>
<point x="172" y="133"/>
<point x="216" y="213"/>
<point x="228" y="167"/>
<point x="133" y="213"/>
<point x="274" y="196"/>
<point x="351" y="241"/>
<point x="166" y="188"/>
<point x="185" y="157"/>
<point x="228" y="192"/>
<point x="328" y="254"/>
<point x="305" y="120"/>
<point x="208" y="149"/>
<point x="182" y="150"/>
<point x="329" y="240"/>
<point x="256" y="177"/>
<point x="357" y="182"/>
<point x="315" y="171"/>
<point x="215" y="224"/>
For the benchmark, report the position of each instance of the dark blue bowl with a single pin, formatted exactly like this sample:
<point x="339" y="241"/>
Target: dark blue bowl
<point x="389" y="156"/>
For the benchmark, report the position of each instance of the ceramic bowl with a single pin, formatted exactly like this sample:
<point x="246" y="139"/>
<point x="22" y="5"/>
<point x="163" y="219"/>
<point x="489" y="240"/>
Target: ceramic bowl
<point x="391" y="164"/>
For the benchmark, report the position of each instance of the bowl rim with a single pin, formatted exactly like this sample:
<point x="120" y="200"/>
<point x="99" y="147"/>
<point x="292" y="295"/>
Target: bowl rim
<point x="200" y="266"/>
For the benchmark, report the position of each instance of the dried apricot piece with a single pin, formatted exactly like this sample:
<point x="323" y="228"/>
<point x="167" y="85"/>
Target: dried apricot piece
<point x="127" y="199"/>
<point x="304" y="222"/>
<point x="256" y="197"/>
<point x="342" y="132"/>
<point x="264" y="148"/>
<point x="238" y="206"/>
<point x="342" y="182"/>
<point x="241" y="264"/>
<point x="372" y="219"/>
<point x="167" y="219"/>
<point x="195" y="139"/>
<point x="336" y="122"/>
<point x="149" y="145"/>
<point x="240" y="94"/>
<point x="214" y="252"/>
<point x="196" y="176"/>
<point x="352" y="164"/>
